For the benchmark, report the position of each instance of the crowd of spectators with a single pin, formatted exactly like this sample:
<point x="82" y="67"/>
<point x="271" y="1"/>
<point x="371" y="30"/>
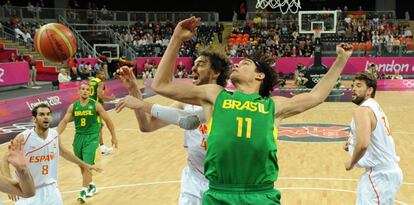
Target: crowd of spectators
<point x="151" y="39"/>
<point x="376" y="33"/>
<point x="20" y="30"/>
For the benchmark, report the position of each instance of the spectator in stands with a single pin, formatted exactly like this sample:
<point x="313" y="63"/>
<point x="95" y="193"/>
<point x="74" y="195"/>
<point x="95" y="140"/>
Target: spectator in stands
<point x="301" y="80"/>
<point x="82" y="71"/>
<point x="72" y="68"/>
<point x="20" y="58"/>
<point x="220" y="29"/>
<point x="30" y="8"/>
<point x="338" y="83"/>
<point x="63" y="76"/>
<point x="97" y="66"/>
<point x="33" y="71"/>
<point x="88" y="67"/>
<point x="105" y="12"/>
<point x="234" y="19"/>
<point x="182" y="73"/>
<point x="7" y="6"/>
<point x="27" y="37"/>
<point x="300" y="68"/>
<point x="372" y="69"/>
<point x="242" y="11"/>
<point x="38" y="7"/>
<point x="257" y="20"/>
<point x="397" y="75"/>
<point x="180" y="66"/>
<point x="105" y="68"/>
<point x="407" y="32"/>
<point x="12" y="57"/>
<point x="389" y="40"/>
<point x="81" y="66"/>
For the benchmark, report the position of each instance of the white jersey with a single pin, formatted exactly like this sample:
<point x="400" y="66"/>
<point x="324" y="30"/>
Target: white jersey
<point x="381" y="150"/>
<point x="42" y="156"/>
<point x="195" y="142"/>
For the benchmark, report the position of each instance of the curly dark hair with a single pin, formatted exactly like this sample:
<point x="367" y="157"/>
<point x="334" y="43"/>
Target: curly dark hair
<point x="264" y="64"/>
<point x="369" y="80"/>
<point x="219" y="63"/>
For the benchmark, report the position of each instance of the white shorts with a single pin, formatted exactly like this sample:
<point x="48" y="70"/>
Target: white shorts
<point x="45" y="195"/>
<point x="193" y="185"/>
<point x="379" y="185"/>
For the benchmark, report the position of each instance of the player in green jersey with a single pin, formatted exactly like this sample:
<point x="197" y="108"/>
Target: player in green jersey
<point x="241" y="163"/>
<point x="97" y="85"/>
<point x="85" y="113"/>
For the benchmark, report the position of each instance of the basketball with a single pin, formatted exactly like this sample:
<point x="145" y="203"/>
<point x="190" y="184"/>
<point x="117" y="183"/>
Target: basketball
<point x="55" y="42"/>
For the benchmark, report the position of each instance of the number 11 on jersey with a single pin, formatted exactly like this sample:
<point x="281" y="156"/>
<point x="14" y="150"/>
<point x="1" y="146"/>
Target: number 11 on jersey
<point x="240" y="126"/>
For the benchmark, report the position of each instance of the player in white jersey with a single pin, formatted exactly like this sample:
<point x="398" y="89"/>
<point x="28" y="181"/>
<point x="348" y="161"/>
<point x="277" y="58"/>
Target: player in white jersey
<point x="42" y="148"/>
<point x="372" y="147"/>
<point x="26" y="187"/>
<point x="209" y="68"/>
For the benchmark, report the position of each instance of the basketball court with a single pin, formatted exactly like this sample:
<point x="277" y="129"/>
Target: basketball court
<point x="146" y="169"/>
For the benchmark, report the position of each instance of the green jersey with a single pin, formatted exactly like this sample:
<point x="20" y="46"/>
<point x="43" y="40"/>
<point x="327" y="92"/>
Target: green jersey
<point x="93" y="84"/>
<point x="241" y="147"/>
<point x="86" y="118"/>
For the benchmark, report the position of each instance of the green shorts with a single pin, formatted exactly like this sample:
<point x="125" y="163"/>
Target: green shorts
<point x="85" y="147"/>
<point x="251" y="195"/>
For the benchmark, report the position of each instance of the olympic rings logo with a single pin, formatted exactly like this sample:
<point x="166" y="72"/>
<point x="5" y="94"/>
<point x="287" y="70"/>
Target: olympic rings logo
<point x="316" y="80"/>
<point x="408" y="83"/>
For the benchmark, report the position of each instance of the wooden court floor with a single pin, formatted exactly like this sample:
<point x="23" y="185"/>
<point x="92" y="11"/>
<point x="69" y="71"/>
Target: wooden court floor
<point x="146" y="168"/>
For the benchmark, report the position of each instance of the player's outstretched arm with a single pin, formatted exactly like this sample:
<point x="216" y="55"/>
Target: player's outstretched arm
<point x="286" y="107"/>
<point x="127" y="77"/>
<point x="163" y="82"/>
<point x="142" y="109"/>
<point x="66" y="119"/>
<point x="153" y="116"/>
<point x="25" y="187"/>
<point x="101" y="111"/>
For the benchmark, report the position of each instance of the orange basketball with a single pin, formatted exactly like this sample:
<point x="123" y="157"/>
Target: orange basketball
<point x="55" y="42"/>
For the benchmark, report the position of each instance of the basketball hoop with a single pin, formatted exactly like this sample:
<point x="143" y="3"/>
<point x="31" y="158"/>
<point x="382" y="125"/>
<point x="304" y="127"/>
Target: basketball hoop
<point x="317" y="37"/>
<point x="280" y="3"/>
<point x="317" y="33"/>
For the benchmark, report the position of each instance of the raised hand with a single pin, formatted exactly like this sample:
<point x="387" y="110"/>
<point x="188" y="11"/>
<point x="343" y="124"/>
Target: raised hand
<point x="186" y="28"/>
<point x="16" y="158"/>
<point x="129" y="102"/>
<point x="126" y="75"/>
<point x="344" y="50"/>
<point x="15" y="155"/>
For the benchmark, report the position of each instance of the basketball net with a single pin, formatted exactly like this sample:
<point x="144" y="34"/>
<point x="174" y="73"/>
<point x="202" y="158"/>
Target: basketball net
<point x="317" y="36"/>
<point x="317" y="33"/>
<point x="280" y="3"/>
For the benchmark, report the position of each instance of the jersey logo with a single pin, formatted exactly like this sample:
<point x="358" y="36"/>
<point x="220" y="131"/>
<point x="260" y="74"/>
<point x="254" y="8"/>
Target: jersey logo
<point x="83" y="113"/>
<point x="248" y="105"/>
<point x="314" y="132"/>
<point x="203" y="129"/>
<point x="42" y="158"/>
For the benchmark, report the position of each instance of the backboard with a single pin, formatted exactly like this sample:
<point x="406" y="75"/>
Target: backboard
<point x="309" y="21"/>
